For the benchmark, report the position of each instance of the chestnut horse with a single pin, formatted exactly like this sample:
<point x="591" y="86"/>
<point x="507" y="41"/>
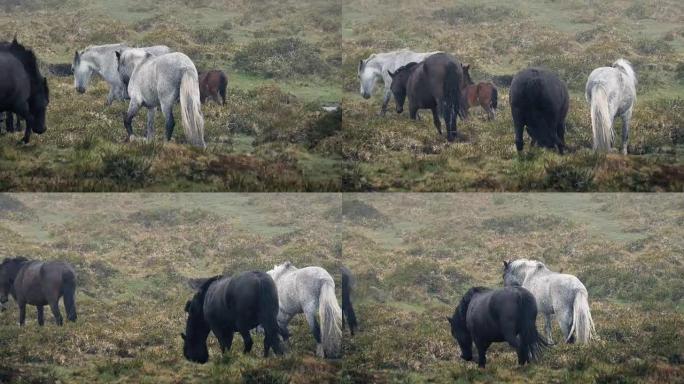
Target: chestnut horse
<point x="213" y="84"/>
<point x="483" y="94"/>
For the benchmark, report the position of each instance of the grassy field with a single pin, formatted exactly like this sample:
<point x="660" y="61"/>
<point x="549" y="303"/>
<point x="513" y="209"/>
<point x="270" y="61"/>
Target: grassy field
<point x="569" y="37"/>
<point x="413" y="255"/>
<point x="282" y="59"/>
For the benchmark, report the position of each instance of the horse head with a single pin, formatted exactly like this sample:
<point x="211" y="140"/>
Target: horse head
<point x="367" y="77"/>
<point x="466" y="74"/>
<point x="8" y="272"/>
<point x="399" y="82"/>
<point x="82" y="69"/>
<point x="196" y="328"/>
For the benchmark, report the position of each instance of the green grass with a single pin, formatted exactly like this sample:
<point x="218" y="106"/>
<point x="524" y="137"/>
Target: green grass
<point x="570" y="38"/>
<point x="413" y="255"/>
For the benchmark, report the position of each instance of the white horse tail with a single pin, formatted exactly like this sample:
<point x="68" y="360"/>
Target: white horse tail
<point x="582" y="323"/>
<point x="601" y="121"/>
<point x="331" y="321"/>
<point x="191" y="108"/>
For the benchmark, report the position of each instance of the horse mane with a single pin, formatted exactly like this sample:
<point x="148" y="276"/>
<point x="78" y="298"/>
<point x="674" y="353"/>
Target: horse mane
<point x="462" y="308"/>
<point x="406" y="67"/>
<point x="626" y="67"/>
<point x="25" y="56"/>
<point x="8" y="260"/>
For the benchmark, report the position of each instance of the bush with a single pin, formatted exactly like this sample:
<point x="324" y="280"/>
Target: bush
<point x="281" y="58"/>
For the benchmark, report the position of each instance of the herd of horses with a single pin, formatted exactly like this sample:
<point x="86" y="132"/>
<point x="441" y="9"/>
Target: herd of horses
<point x="267" y="301"/>
<point x="538" y="98"/>
<point x="151" y="77"/>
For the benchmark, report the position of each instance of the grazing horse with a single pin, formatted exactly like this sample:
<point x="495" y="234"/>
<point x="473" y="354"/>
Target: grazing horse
<point x="433" y="84"/>
<point x="213" y="84"/>
<point x="38" y="283"/>
<point x="611" y="91"/>
<point x="225" y="305"/>
<point x="483" y="94"/>
<point x="485" y="315"/>
<point x="557" y="294"/>
<point x="23" y="90"/>
<point x="159" y="81"/>
<point x="311" y="291"/>
<point x="377" y="66"/>
<point x="102" y="60"/>
<point x="539" y="101"/>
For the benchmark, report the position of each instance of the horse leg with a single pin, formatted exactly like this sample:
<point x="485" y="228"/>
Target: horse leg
<point x="482" y="352"/>
<point x="310" y="313"/>
<point x="167" y="110"/>
<point x="508" y="330"/>
<point x="54" y="306"/>
<point x="9" y="122"/>
<point x="22" y="313"/>
<point x="111" y="95"/>
<point x="149" y="134"/>
<point x="547" y="327"/>
<point x="519" y="126"/>
<point x="41" y="315"/>
<point x="133" y="108"/>
<point x="565" y="322"/>
<point x="225" y="339"/>
<point x="22" y="111"/>
<point x="247" y="338"/>
<point x="283" y="320"/>
<point x="385" y="101"/>
<point x="626" y="118"/>
<point x="435" y="120"/>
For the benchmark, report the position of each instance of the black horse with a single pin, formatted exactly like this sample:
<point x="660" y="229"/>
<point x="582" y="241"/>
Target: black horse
<point x="226" y="305"/>
<point x="539" y="100"/>
<point x="484" y="316"/>
<point x="38" y="283"/>
<point x="433" y="84"/>
<point x="23" y="90"/>
<point x="347" y="308"/>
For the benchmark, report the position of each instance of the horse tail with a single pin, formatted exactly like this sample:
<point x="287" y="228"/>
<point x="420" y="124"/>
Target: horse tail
<point x="69" y="293"/>
<point x="331" y="320"/>
<point x="191" y="108"/>
<point x="601" y="123"/>
<point x="495" y="97"/>
<point x="268" y="314"/>
<point x="532" y="343"/>
<point x="347" y="308"/>
<point x="582" y="323"/>
<point x="223" y="85"/>
<point x="452" y="98"/>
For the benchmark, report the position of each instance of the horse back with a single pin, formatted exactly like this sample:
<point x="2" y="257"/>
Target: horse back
<point x="15" y="83"/>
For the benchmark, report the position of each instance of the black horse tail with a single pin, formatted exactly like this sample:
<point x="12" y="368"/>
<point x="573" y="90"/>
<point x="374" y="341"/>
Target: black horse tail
<point x="347" y="308"/>
<point x="495" y="97"/>
<point x="268" y="312"/>
<point x="452" y="99"/>
<point x="69" y="293"/>
<point x="532" y="343"/>
<point x="223" y="85"/>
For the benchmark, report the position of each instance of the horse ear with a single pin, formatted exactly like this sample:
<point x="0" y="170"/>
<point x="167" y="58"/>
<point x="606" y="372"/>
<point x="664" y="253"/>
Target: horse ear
<point x="506" y="264"/>
<point x="182" y="335"/>
<point x="360" y="65"/>
<point x="449" y="319"/>
<point x="118" y="55"/>
<point x="466" y="66"/>
<point x="391" y="74"/>
<point x="77" y="57"/>
<point x="187" y="306"/>
<point x="14" y="40"/>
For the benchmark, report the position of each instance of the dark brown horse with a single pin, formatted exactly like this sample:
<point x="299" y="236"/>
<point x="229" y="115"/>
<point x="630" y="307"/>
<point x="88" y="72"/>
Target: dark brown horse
<point x="483" y="94"/>
<point x="433" y="84"/>
<point x="213" y="84"/>
<point x="38" y="283"/>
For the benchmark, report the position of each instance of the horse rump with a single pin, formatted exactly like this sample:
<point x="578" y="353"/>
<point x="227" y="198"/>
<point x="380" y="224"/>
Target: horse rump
<point x="347" y="307"/>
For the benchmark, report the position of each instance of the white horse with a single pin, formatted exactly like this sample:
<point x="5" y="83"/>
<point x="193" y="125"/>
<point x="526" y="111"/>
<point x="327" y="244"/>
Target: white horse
<point x="102" y="60"/>
<point x="160" y="81"/>
<point x="557" y="294"/>
<point x="611" y="91"/>
<point x="311" y="291"/>
<point x="378" y="65"/>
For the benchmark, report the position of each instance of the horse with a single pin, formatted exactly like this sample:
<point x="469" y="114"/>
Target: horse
<point x="487" y="315"/>
<point x="102" y="60"/>
<point x="311" y="290"/>
<point x="38" y="283"/>
<point x="556" y="293"/>
<point x="159" y="81"/>
<point x="213" y="84"/>
<point x="225" y="305"/>
<point x="377" y="66"/>
<point x="434" y="84"/>
<point x="539" y="101"/>
<point x="611" y="92"/>
<point x="483" y="94"/>
<point x="23" y="90"/>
